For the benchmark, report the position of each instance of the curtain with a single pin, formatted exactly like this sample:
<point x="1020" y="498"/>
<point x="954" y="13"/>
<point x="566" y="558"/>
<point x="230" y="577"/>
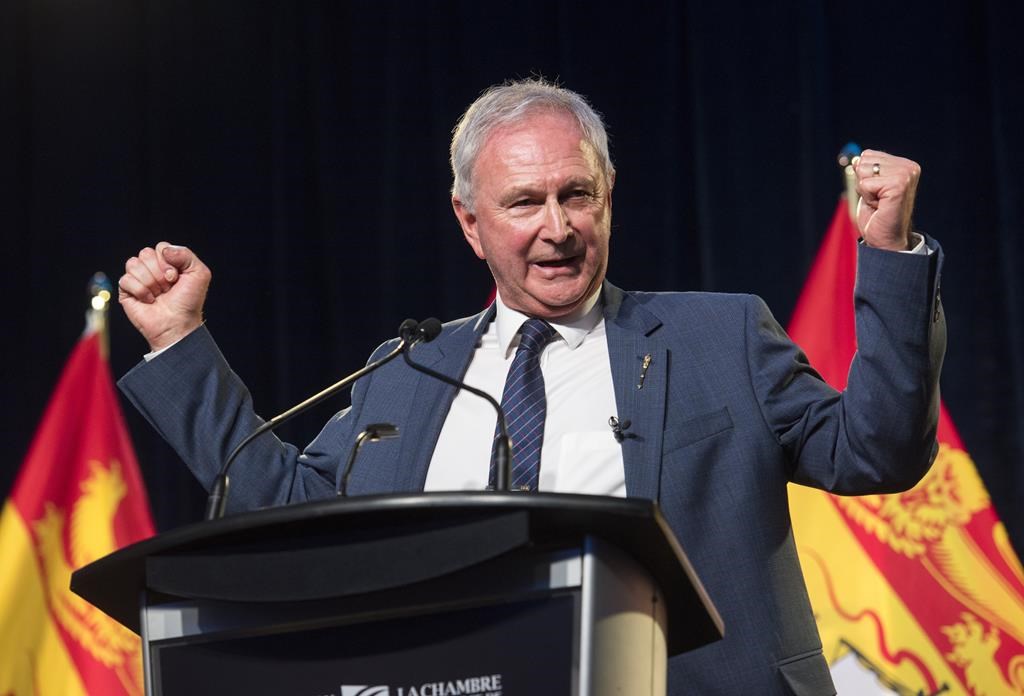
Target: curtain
<point x="301" y="150"/>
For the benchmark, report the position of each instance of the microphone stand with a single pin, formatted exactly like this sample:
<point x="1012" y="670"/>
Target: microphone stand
<point x="502" y="444"/>
<point x="219" y="491"/>
<point x="374" y="432"/>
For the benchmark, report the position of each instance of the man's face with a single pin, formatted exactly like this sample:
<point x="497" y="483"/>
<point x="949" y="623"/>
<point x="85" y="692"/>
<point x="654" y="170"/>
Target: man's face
<point x="542" y="215"/>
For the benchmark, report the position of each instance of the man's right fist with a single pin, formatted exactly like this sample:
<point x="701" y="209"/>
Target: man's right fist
<point x="162" y="291"/>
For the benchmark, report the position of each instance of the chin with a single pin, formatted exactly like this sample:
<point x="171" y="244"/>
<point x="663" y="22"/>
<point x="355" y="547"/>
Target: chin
<point x="554" y="309"/>
<point x="565" y="302"/>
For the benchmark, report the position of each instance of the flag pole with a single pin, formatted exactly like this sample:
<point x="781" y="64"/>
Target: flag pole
<point x="100" y="292"/>
<point x="847" y="158"/>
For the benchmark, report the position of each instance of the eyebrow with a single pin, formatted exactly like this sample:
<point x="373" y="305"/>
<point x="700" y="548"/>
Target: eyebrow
<point x="580" y="182"/>
<point x="528" y="191"/>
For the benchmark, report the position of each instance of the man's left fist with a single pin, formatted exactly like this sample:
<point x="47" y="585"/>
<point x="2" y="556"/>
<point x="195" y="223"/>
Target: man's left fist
<point x="886" y="185"/>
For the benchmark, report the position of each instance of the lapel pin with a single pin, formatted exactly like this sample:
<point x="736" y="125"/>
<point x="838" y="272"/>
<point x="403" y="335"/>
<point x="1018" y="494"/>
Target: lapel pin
<point x="643" y="370"/>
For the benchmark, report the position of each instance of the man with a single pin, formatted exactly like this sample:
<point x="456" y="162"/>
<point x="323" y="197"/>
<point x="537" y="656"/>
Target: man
<point x="722" y="409"/>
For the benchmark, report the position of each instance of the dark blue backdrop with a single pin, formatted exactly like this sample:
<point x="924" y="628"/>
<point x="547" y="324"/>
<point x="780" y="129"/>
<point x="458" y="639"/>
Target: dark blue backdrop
<point x="300" y="148"/>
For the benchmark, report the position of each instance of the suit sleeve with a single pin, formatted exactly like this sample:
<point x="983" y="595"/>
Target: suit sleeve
<point x="878" y="435"/>
<point x="199" y="405"/>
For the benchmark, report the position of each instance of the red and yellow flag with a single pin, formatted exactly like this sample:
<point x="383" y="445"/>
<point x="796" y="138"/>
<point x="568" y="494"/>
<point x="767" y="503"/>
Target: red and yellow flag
<point x="917" y="592"/>
<point x="78" y="497"/>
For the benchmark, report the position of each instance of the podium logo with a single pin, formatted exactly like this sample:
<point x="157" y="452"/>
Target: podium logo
<point x="488" y="685"/>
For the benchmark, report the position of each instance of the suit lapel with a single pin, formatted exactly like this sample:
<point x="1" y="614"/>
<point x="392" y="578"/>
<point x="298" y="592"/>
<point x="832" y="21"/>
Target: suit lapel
<point x="631" y="334"/>
<point x="639" y="364"/>
<point x="431" y="399"/>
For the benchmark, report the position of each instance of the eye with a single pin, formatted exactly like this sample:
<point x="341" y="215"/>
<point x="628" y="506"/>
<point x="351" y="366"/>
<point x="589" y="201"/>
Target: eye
<point x="525" y="202"/>
<point x="579" y="195"/>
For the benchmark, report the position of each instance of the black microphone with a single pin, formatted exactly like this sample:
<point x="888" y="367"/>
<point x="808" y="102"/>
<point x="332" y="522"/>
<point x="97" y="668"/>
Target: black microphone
<point x="430" y="328"/>
<point x="375" y="432"/>
<point x="217" y="500"/>
<point x="420" y="331"/>
<point x="619" y="428"/>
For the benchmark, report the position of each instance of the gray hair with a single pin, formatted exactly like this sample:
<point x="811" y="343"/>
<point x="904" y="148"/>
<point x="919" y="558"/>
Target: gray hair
<point x="511" y="102"/>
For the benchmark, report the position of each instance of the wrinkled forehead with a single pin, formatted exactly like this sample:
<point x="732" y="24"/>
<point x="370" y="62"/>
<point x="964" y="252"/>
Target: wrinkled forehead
<point x="538" y="138"/>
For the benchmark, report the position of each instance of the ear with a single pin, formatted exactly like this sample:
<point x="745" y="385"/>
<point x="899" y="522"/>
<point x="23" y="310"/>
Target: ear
<point x="467" y="220"/>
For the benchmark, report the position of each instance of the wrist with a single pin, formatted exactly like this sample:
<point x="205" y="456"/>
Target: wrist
<point x="904" y="243"/>
<point x="172" y="335"/>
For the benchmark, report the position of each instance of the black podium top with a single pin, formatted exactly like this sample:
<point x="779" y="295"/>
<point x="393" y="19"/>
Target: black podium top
<point x="348" y="546"/>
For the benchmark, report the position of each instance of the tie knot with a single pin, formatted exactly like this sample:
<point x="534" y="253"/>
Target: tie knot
<point x="535" y="334"/>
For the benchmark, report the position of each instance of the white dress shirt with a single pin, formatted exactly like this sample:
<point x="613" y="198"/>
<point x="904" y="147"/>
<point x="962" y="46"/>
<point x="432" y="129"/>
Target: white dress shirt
<point x="580" y="453"/>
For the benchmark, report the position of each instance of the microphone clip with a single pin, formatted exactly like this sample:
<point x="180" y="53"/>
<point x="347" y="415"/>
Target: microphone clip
<point x="619" y="428"/>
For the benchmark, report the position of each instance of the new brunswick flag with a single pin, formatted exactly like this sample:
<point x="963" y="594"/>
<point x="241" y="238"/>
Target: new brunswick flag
<point x="917" y="592"/>
<point x="78" y="497"/>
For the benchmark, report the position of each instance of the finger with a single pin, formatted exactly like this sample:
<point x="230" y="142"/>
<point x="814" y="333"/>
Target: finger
<point x="186" y="262"/>
<point x="130" y="288"/>
<point x="868" y="168"/>
<point x="873" y="163"/>
<point x="871" y="156"/>
<point x="868" y="191"/>
<point x="874" y="155"/>
<point x="873" y="186"/>
<point x="865" y="209"/>
<point x="167" y="271"/>
<point x="151" y="260"/>
<point x="140" y="272"/>
<point x="897" y="185"/>
<point x="896" y="173"/>
<point x="179" y="257"/>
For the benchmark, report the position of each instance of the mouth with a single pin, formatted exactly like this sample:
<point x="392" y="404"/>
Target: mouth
<point x="560" y="263"/>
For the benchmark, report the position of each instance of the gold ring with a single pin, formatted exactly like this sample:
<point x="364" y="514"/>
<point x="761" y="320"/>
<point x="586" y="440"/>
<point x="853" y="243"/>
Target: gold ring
<point x="876" y="169"/>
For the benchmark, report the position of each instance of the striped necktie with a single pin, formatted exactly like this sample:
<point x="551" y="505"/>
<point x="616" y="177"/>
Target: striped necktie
<point x="525" y="405"/>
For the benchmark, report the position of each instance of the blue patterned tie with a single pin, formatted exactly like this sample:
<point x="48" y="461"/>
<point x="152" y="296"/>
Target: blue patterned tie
<point x="525" y="406"/>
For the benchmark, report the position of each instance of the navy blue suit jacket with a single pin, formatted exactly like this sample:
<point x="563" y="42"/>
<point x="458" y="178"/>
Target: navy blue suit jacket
<point x="728" y="414"/>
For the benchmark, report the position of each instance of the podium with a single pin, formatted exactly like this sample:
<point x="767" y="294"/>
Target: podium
<point x="428" y="594"/>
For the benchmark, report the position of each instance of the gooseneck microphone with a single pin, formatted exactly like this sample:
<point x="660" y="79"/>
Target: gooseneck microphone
<point x="408" y="332"/>
<point x="430" y="328"/>
<point x="375" y="432"/>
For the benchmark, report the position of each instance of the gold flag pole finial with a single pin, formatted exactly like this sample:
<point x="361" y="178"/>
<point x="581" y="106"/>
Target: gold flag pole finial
<point x="100" y="293"/>
<point x="847" y="159"/>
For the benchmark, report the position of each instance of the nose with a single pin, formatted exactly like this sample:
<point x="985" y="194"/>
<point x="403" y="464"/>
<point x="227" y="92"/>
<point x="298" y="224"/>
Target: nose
<point x="557" y="225"/>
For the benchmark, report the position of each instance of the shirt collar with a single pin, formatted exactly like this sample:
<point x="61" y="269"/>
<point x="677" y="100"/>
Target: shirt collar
<point x="573" y="328"/>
